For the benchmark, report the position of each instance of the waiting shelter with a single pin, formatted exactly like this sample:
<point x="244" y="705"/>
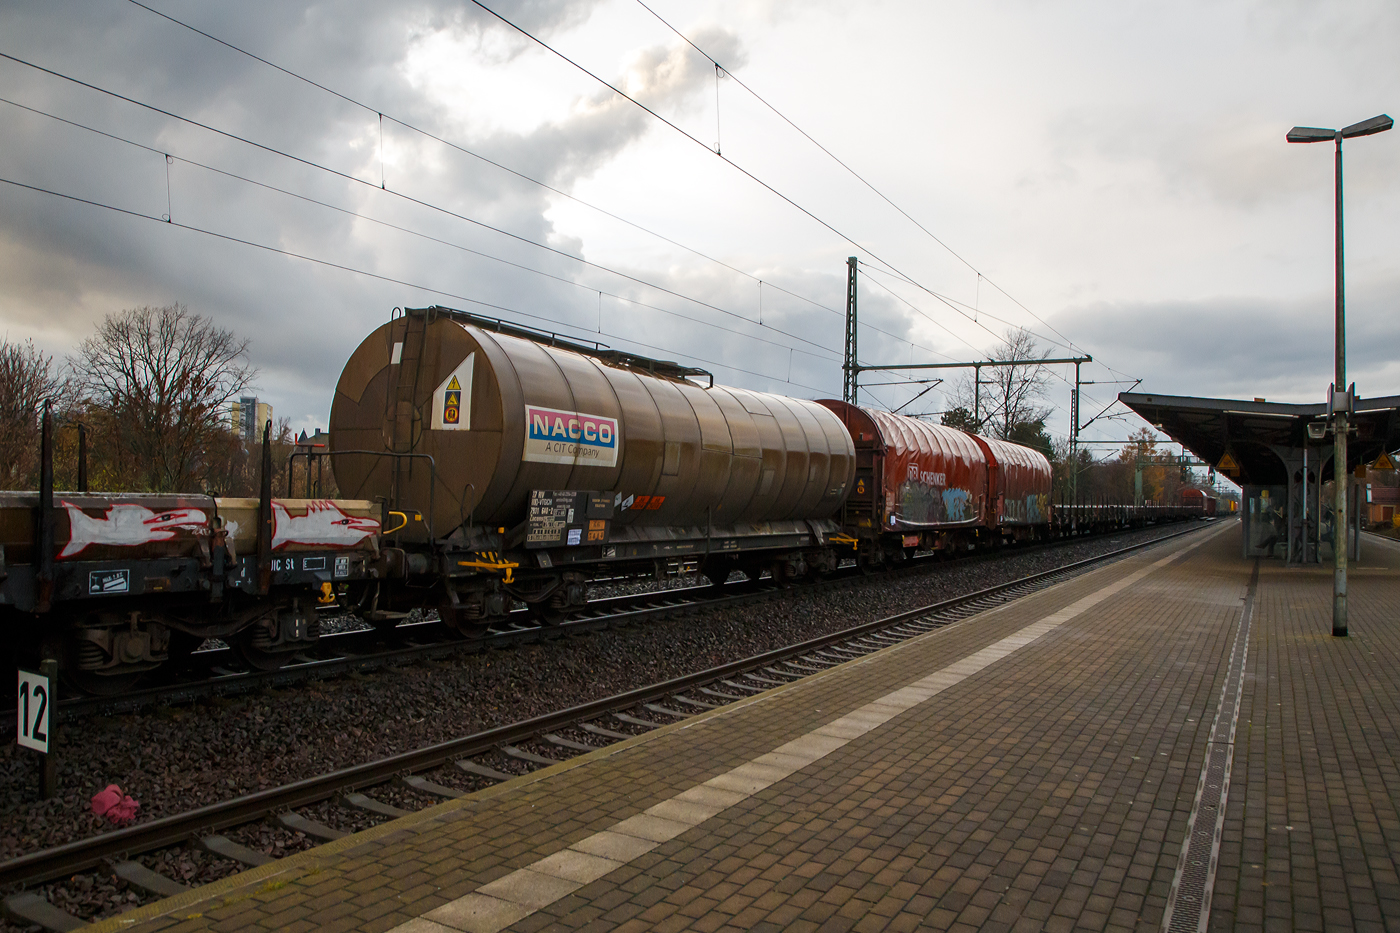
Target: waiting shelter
<point x="1280" y="454"/>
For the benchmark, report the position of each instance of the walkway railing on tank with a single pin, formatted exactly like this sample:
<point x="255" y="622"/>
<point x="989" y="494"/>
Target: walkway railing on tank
<point x="384" y="518"/>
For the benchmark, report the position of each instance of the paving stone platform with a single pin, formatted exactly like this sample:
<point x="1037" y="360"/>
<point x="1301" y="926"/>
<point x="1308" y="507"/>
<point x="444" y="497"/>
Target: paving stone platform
<point x="1034" y="767"/>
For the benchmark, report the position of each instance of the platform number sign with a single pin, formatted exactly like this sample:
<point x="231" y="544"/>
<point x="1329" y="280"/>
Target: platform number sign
<point x="34" y="708"/>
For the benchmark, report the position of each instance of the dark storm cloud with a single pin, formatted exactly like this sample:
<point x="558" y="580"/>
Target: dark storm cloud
<point x="65" y="265"/>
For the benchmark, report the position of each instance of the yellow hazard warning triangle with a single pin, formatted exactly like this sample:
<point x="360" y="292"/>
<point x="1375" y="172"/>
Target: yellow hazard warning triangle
<point x="1227" y="464"/>
<point x="454" y="385"/>
<point x="1383" y="462"/>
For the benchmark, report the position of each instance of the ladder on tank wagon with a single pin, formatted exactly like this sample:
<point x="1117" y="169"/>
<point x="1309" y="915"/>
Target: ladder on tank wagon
<point x="406" y="365"/>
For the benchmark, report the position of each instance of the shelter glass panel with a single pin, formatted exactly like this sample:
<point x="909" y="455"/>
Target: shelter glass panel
<point x="1265" y="521"/>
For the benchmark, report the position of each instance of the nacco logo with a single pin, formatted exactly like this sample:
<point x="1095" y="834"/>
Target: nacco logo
<point x="549" y="425"/>
<point x="570" y="437"/>
<point x="927" y="477"/>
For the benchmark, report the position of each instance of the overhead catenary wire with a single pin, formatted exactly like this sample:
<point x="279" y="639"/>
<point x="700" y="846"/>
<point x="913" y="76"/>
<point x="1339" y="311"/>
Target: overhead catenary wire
<point x="393" y="193"/>
<point x="950" y="304"/>
<point x="935" y="321"/>
<point x="1069" y="344"/>
<point x="954" y="305"/>
<point x="376" y="275"/>
<point x="957" y="305"/>
<point x="765" y="185"/>
<point x="401" y="195"/>
<point x="427" y="134"/>
<point x="515" y="236"/>
<point x="410" y="199"/>
<point x="736" y="166"/>
<point x="719" y="68"/>
<point x="827" y="355"/>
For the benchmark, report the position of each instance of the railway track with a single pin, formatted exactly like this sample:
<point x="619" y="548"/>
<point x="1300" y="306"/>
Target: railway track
<point x="217" y="673"/>
<point x="220" y="672"/>
<point x="478" y="756"/>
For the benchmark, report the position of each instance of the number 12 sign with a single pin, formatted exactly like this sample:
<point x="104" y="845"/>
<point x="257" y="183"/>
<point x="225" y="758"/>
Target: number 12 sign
<point x="33" y="707"/>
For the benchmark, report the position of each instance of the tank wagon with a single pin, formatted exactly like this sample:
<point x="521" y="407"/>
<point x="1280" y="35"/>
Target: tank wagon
<point x="537" y="463"/>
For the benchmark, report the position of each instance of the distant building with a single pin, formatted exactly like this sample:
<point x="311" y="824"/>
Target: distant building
<point x="248" y="417"/>
<point x="1382" y="505"/>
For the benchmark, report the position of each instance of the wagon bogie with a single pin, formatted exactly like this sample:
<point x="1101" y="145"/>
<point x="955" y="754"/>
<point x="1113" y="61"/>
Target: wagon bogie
<point x="275" y="632"/>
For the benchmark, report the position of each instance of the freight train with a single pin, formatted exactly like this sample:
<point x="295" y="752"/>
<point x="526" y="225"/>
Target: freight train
<point x="488" y="467"/>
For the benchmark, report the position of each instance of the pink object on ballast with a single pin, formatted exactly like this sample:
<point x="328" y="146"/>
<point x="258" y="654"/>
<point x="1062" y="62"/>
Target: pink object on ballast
<point x="111" y="803"/>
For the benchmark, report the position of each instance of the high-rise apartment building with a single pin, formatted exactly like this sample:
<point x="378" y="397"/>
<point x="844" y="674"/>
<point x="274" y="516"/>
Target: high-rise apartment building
<point x="248" y="417"/>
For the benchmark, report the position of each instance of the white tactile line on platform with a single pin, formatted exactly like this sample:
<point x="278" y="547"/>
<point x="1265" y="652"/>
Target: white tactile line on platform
<point x="497" y="905"/>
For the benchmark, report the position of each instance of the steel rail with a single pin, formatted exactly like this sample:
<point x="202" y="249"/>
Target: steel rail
<point x="629" y="608"/>
<point x="48" y="864"/>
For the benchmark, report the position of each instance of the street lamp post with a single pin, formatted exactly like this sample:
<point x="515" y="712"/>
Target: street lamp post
<point x="1340" y="398"/>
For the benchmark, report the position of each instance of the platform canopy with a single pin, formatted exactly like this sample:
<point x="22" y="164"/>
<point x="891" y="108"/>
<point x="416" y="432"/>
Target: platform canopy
<point x="1260" y="435"/>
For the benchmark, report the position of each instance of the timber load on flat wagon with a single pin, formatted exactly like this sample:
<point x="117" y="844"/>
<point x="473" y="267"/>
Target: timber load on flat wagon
<point x="536" y="463"/>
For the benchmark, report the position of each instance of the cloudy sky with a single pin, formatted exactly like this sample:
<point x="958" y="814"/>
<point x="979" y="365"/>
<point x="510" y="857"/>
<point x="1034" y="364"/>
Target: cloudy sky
<point x="1112" y="176"/>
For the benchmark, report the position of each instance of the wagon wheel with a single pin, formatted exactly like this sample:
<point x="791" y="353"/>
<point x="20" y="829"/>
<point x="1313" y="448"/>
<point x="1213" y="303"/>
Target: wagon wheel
<point x="258" y="658"/>
<point x="869" y="560"/>
<point x="782" y="573"/>
<point x="92" y="683"/>
<point x="547" y="615"/>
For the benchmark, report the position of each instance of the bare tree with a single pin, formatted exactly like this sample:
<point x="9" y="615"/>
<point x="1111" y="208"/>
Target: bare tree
<point x="26" y="379"/>
<point x="160" y="381"/>
<point x="1011" y="395"/>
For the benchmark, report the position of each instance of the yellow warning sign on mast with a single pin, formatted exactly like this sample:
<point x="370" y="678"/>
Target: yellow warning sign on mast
<point x="1227" y="464"/>
<point x="1383" y="462"/>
